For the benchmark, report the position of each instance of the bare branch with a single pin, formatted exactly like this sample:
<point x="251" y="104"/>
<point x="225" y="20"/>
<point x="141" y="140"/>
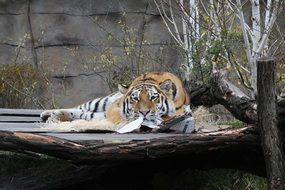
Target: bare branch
<point x="174" y="23"/>
<point x="268" y="28"/>
<point x="244" y="31"/>
<point x="178" y="40"/>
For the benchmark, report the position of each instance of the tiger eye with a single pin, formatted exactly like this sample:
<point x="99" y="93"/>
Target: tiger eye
<point x="135" y="98"/>
<point x="154" y="97"/>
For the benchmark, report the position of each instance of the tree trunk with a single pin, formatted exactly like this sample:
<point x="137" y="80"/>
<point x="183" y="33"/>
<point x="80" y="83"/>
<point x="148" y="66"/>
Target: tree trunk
<point x="267" y="123"/>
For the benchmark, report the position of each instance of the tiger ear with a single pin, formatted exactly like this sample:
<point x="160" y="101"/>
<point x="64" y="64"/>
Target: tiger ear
<point x="166" y="85"/>
<point x="122" y="88"/>
<point x="169" y="88"/>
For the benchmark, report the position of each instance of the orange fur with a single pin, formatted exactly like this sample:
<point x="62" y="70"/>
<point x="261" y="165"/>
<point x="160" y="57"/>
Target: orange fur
<point x="144" y="104"/>
<point x="175" y="93"/>
<point x="182" y="98"/>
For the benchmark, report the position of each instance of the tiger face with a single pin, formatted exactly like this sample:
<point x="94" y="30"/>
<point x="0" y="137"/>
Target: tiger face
<point x="149" y="101"/>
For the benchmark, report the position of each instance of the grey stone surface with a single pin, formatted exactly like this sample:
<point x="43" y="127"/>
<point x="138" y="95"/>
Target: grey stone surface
<point x="75" y="60"/>
<point x="69" y="35"/>
<point x="13" y="29"/>
<point x="11" y="54"/>
<point x="91" y="7"/>
<point x="13" y="6"/>
<point x="73" y="91"/>
<point x="155" y="30"/>
<point x="68" y="60"/>
<point x="58" y="29"/>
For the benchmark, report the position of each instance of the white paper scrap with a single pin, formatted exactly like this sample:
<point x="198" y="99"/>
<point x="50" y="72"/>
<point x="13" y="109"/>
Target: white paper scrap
<point x="136" y="124"/>
<point x="150" y="125"/>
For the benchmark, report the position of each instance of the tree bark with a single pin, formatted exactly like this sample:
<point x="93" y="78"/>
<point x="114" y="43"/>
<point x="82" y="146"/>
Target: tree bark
<point x="267" y="123"/>
<point x="224" y="92"/>
<point x="237" y="149"/>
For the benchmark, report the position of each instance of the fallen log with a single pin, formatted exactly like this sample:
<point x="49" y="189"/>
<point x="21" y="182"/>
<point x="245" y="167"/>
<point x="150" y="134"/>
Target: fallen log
<point x="222" y="91"/>
<point x="236" y="148"/>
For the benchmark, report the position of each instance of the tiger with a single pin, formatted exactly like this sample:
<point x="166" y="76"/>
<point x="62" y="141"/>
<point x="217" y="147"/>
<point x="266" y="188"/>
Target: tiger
<point x="154" y="96"/>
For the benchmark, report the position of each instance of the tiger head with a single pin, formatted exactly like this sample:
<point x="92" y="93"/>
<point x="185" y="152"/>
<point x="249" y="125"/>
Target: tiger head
<point x="149" y="101"/>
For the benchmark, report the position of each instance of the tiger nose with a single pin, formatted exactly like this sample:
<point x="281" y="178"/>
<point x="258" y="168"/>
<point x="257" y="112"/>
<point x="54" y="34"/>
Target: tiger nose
<point x="144" y="113"/>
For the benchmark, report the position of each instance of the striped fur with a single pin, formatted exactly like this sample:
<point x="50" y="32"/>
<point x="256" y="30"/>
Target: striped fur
<point x="93" y="109"/>
<point x="149" y="101"/>
<point x="154" y="96"/>
<point x="100" y="104"/>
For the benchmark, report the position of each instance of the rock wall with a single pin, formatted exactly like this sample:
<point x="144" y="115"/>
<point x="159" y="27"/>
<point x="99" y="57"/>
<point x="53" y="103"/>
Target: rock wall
<point x="78" y="43"/>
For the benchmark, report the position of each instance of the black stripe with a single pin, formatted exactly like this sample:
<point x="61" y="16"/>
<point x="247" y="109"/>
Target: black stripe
<point x="167" y="106"/>
<point x="174" y="90"/>
<point x="127" y="107"/>
<point x="104" y="104"/>
<point x="124" y="107"/>
<point x="92" y="115"/>
<point x="185" y="129"/>
<point x="161" y="100"/>
<point x="81" y="115"/>
<point x="179" y="107"/>
<point x="89" y="104"/>
<point x="96" y="105"/>
<point x="148" y="79"/>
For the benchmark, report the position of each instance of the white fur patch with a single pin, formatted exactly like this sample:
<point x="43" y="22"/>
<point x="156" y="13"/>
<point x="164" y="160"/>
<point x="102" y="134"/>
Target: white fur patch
<point x="79" y="126"/>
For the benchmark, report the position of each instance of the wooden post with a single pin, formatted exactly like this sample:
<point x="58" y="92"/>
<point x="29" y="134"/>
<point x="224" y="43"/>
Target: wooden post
<point x="267" y="122"/>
